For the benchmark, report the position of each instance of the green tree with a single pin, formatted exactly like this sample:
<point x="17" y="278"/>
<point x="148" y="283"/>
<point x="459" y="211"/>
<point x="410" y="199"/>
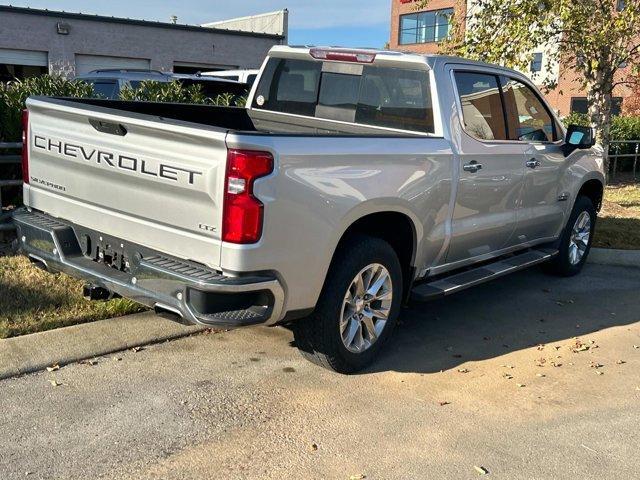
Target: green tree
<point x="594" y="38"/>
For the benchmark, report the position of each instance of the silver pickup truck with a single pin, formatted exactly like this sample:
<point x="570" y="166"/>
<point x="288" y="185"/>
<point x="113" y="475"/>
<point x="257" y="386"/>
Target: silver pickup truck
<point x="353" y="182"/>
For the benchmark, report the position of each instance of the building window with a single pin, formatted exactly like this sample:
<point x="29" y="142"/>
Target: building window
<point x="425" y="27"/>
<point x="536" y="63"/>
<point x="580" y="105"/>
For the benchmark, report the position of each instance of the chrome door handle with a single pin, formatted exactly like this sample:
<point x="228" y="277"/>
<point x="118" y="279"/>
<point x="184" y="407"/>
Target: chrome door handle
<point x="472" y="167"/>
<point x="533" y="163"/>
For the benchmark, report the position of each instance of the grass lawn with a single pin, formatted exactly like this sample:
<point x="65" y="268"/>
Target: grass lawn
<point x="32" y="300"/>
<point x="619" y="221"/>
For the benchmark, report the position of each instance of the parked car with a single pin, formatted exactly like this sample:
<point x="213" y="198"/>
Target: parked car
<point x="243" y="76"/>
<point x="354" y="181"/>
<point x="109" y="83"/>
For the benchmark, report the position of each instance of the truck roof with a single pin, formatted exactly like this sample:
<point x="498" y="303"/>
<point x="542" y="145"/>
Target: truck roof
<point x="386" y="56"/>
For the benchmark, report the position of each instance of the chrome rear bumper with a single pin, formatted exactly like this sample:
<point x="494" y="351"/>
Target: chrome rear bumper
<point x="191" y="291"/>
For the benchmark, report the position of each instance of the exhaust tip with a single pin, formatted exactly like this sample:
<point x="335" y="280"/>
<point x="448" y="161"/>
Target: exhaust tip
<point x="38" y="263"/>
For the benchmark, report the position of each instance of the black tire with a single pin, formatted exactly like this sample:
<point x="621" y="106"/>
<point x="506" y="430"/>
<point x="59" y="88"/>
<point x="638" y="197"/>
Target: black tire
<point x="318" y="336"/>
<point x="561" y="264"/>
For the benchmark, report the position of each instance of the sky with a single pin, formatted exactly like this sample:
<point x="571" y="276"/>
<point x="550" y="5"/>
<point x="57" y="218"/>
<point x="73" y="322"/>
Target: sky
<point x="354" y="23"/>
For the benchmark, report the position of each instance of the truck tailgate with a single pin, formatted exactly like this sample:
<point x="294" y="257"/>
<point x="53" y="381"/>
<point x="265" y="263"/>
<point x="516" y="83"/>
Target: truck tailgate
<point x="144" y="179"/>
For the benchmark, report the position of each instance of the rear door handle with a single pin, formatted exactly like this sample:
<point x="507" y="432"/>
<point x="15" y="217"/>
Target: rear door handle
<point x="472" y="167"/>
<point x="533" y="163"/>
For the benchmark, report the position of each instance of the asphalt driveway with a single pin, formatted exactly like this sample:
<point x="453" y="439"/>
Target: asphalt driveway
<point x="492" y="378"/>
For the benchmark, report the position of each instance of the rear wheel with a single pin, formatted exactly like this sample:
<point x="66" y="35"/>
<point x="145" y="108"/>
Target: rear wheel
<point x="357" y="309"/>
<point x="576" y="239"/>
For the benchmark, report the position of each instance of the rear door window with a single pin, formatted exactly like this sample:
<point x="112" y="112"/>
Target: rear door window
<point x="482" y="112"/>
<point x="379" y="96"/>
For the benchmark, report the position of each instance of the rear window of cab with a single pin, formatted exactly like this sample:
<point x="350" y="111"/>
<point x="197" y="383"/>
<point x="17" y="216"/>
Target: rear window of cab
<point x="378" y="96"/>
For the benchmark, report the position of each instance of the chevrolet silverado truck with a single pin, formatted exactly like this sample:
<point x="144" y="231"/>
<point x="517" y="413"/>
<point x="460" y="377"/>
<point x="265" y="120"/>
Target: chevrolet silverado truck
<point x="354" y="181"/>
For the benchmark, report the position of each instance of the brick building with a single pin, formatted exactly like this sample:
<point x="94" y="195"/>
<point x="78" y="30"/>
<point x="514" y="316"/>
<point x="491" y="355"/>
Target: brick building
<point x="421" y="31"/>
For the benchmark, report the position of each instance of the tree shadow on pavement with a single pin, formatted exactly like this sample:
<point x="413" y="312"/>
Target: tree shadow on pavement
<point x="510" y="314"/>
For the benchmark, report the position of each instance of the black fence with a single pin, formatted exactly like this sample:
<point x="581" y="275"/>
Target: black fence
<point x="623" y="158"/>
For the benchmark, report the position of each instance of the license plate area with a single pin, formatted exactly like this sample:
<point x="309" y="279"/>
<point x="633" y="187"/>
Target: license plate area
<point x="108" y="252"/>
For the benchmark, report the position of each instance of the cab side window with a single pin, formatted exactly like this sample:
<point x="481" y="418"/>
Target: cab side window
<point x="527" y="117"/>
<point x="482" y="112"/>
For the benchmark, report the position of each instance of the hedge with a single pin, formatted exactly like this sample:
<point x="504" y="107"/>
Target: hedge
<point x="13" y="96"/>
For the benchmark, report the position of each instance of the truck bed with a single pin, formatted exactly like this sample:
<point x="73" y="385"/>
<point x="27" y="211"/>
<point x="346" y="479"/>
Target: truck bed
<point x="231" y="118"/>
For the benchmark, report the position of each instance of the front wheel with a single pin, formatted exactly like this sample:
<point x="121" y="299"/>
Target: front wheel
<point x="575" y="242"/>
<point x="357" y="309"/>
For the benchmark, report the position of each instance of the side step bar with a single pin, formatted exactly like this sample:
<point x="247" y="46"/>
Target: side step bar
<point x="469" y="278"/>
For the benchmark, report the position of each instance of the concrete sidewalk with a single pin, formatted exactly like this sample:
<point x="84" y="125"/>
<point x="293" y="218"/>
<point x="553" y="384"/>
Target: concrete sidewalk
<point x="466" y="381"/>
<point x="37" y="351"/>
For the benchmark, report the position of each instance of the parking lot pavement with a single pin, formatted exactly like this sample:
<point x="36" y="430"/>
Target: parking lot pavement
<point x="467" y="381"/>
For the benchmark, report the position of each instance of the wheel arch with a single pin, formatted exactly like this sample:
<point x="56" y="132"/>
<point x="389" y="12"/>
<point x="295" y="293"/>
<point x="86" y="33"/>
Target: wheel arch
<point x="397" y="228"/>
<point x="594" y="190"/>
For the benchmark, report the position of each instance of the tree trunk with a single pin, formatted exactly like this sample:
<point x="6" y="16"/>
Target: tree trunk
<point x="600" y="117"/>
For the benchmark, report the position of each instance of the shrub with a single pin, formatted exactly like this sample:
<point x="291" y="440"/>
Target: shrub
<point x="13" y="96"/>
<point x="176" y="92"/>
<point x="622" y="128"/>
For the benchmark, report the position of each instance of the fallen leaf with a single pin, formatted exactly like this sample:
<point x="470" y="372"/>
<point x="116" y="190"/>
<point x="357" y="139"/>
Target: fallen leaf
<point x="636" y="346"/>
<point x="53" y="368"/>
<point x="542" y="375"/>
<point x="442" y="404"/>
<point x="117" y="359"/>
<point x="314" y="447"/>
<point x="481" y="470"/>
<point x="620" y="362"/>
<point x="55" y="383"/>
<point x="463" y="370"/>
<point x="520" y="385"/>
<point x="599" y="372"/>
<point x="137" y="349"/>
<point x="507" y="376"/>
<point x="554" y="364"/>
<point x="596" y="365"/>
<point x="541" y="346"/>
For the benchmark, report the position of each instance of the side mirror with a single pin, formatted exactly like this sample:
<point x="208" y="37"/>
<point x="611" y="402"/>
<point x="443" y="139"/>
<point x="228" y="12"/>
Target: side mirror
<point x="578" y="138"/>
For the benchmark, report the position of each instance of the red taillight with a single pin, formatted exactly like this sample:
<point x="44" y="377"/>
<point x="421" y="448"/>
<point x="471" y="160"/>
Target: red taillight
<point x="25" y="145"/>
<point x="357" y="56"/>
<point x="242" y="213"/>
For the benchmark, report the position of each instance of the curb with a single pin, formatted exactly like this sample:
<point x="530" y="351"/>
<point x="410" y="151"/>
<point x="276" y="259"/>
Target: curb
<point x="31" y="353"/>
<point x="624" y="258"/>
